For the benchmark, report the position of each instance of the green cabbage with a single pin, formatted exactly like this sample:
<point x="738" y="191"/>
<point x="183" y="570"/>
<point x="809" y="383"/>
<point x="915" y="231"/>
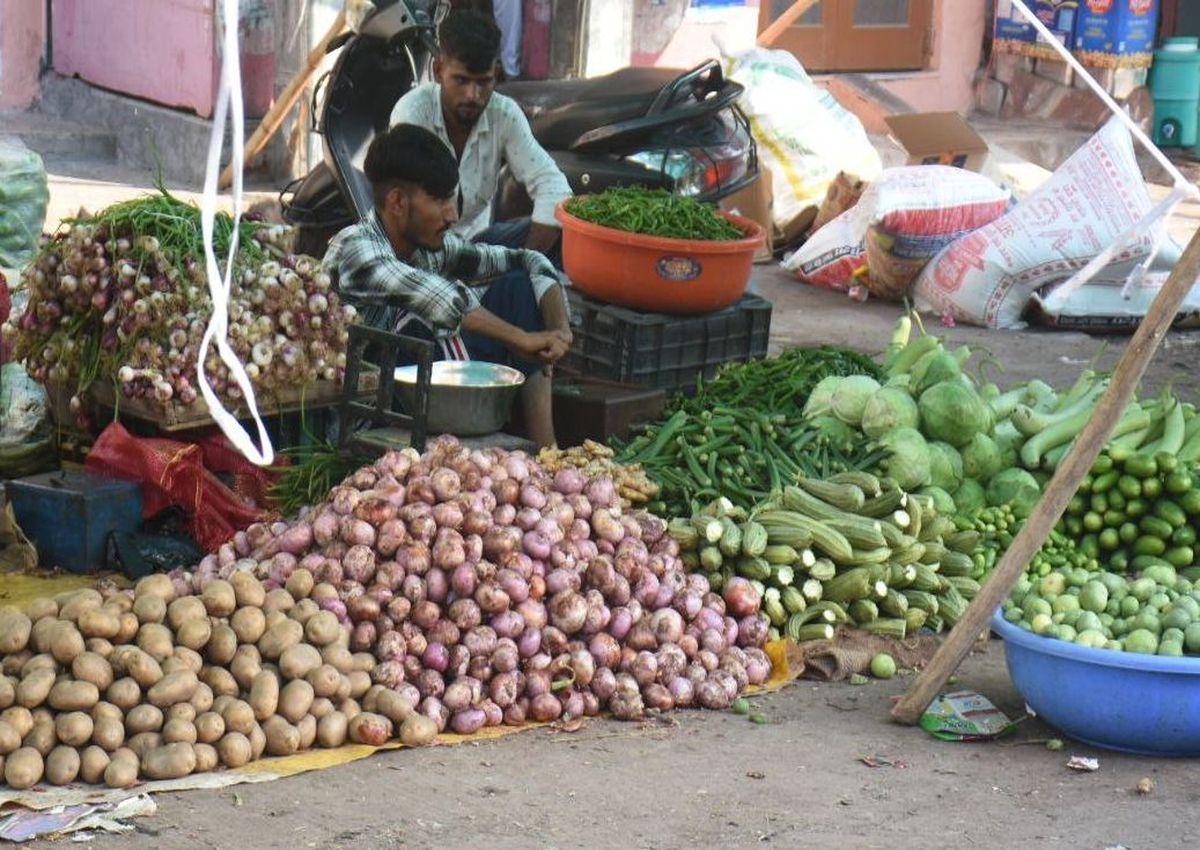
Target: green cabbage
<point x="851" y="396"/>
<point x="933" y="368"/>
<point x="908" y="462"/>
<point x="1008" y="441"/>
<point x="953" y="412"/>
<point x="820" y="400"/>
<point x="1014" y="487"/>
<point x="943" y="502"/>
<point x="970" y="498"/>
<point x="837" y="432"/>
<point x="981" y="458"/>
<point x="945" y="466"/>
<point x="887" y="409"/>
<point x="23" y="198"/>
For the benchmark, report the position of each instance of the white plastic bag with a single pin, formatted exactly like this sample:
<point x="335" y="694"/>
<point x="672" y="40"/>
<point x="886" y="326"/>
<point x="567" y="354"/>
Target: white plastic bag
<point x="1099" y="306"/>
<point x="901" y="222"/>
<point x="804" y="135"/>
<point x="988" y="277"/>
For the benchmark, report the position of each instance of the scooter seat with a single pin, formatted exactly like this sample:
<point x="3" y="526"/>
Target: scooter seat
<point x="560" y="111"/>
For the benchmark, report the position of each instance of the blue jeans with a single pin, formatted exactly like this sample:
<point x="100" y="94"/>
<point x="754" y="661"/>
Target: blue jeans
<point x="514" y="234"/>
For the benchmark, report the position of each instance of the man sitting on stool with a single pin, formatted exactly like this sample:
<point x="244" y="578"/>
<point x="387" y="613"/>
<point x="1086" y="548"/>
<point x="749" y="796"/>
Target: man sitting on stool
<point x="403" y="269"/>
<point x="486" y="131"/>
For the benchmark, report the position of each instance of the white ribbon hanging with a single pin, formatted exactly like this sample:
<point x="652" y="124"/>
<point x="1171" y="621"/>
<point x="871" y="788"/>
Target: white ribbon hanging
<point x="229" y="104"/>
<point x="1181" y="191"/>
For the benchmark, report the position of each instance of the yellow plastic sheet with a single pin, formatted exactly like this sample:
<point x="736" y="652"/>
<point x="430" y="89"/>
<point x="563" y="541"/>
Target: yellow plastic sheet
<point x="21" y="588"/>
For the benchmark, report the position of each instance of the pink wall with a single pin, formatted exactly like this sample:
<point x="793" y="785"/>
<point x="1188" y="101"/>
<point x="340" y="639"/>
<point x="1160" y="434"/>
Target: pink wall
<point x="957" y="52"/>
<point x="22" y="39"/>
<point x="161" y="50"/>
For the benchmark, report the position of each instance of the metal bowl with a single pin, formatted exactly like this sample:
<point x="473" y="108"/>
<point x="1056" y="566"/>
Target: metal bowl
<point x="467" y="398"/>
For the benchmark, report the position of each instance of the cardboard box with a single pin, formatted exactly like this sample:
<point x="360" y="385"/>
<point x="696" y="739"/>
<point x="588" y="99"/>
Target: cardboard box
<point x="1012" y="33"/>
<point x="939" y="138"/>
<point x="1116" y="33"/>
<point x="756" y="203"/>
<point x="1059" y="16"/>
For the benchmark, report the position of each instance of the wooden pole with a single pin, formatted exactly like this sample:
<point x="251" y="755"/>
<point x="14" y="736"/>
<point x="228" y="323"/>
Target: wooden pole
<point x="771" y="34"/>
<point x="1060" y="490"/>
<point x="287" y="99"/>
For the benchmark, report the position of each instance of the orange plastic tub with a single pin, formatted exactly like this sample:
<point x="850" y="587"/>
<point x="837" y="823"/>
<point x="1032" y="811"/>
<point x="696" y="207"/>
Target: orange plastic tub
<point x="654" y="274"/>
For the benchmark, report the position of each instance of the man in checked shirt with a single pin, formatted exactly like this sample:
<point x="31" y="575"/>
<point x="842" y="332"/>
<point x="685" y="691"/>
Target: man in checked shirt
<point x="404" y="270"/>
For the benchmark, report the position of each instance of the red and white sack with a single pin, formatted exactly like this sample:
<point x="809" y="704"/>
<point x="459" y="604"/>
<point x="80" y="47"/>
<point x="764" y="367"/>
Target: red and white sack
<point x="901" y="222"/>
<point x="988" y="277"/>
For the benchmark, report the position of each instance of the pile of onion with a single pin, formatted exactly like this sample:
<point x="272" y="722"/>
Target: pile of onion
<point x="493" y="593"/>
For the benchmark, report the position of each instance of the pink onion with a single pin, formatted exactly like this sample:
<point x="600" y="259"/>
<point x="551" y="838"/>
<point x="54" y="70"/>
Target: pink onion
<point x="508" y="624"/>
<point x="530" y="642"/>
<point x="657" y="696"/>
<point x="621" y="623"/>
<point x="388" y="673"/>
<point x="682" y="691"/>
<point x="544" y="708"/>
<point x="506" y="657"/>
<point x="433" y="708"/>
<point x="390" y="645"/>
<point x="436" y="657"/>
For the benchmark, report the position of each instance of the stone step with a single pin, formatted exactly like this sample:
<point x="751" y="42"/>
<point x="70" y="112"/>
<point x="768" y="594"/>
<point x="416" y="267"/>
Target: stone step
<point x="54" y="137"/>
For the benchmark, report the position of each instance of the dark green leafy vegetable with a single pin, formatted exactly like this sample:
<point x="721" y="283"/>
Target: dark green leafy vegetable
<point x="653" y="212"/>
<point x="311" y="474"/>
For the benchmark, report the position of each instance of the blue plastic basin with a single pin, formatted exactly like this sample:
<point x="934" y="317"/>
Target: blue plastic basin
<point x="1143" y="704"/>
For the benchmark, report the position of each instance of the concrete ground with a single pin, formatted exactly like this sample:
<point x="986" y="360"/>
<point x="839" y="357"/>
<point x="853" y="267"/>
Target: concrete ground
<point x="715" y="780"/>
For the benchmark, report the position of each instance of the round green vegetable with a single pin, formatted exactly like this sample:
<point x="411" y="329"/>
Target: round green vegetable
<point x="945" y="466"/>
<point x="980" y="458"/>
<point x="883" y="666"/>
<point x="887" y="409"/>
<point x="908" y="462"/>
<point x="851" y="396"/>
<point x="953" y="412"/>
<point x="1014" y="487"/>
<point x="970" y="498"/>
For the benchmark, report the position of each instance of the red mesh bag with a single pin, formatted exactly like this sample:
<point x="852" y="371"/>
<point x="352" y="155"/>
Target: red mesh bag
<point x="174" y="473"/>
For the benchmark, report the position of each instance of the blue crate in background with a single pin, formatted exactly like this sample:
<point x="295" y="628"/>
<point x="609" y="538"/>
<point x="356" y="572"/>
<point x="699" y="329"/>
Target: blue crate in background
<point x="68" y="515"/>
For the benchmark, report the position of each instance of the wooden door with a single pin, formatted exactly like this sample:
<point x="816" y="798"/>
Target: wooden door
<point x="857" y="35"/>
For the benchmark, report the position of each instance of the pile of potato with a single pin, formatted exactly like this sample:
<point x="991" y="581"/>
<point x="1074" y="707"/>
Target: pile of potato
<point x="119" y="686"/>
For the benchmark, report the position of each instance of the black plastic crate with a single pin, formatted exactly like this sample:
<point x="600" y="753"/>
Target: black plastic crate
<point x="667" y="352"/>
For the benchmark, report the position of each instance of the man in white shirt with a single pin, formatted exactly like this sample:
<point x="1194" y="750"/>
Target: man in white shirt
<point x="485" y="131"/>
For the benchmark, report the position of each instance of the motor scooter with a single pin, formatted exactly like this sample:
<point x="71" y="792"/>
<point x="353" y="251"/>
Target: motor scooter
<point x="637" y="126"/>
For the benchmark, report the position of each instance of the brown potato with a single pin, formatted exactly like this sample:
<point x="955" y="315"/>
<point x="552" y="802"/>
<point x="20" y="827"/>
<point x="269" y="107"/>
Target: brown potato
<point x="23" y="768"/>
<point x="41" y="737"/>
<point x="295" y="698"/>
<point x="18" y="717"/>
<point x="172" y="688"/>
<point x="11" y="665"/>
<point x="184" y="609"/>
<point x="62" y="765"/>
<point x="194" y="634"/>
<point x="244" y="668"/>
<point x="219" y="598"/>
<point x="343" y="691"/>
<point x="120" y="603"/>
<point x="100" y="622"/>
<point x="41" y="608"/>
<point x="364" y="662"/>
<point x="206" y="758"/>
<point x="73" y="696"/>
<point x="264" y="695"/>
<point x="332" y="730"/>
<point x="247" y="589"/>
<point x="283" y="739"/>
<point x="393" y="706"/>
<point x="65" y="643"/>
<point x="35" y="687"/>
<point x="320" y="707"/>
<point x="8" y="692"/>
<point x="202" y="699"/>
<point x="278" y="600"/>
<point x="221" y="645"/>
<point x="99" y="646"/>
<point x="248" y="624"/>
<point x="220" y="680"/>
<point x="299" y="584"/>
<point x="337" y="657"/>
<point x="360" y="683"/>
<point x="109" y="734"/>
<point x="321" y="629"/>
<point x="130" y="625"/>
<point x="274" y="618"/>
<point x="417" y="730"/>
<point x="369" y="728"/>
<point x="349" y="707"/>
<point x="73" y="604"/>
<point x="178" y="730"/>
<point x="92" y="764"/>
<point x="303" y="610"/>
<point x="124" y="693"/>
<point x="150" y="609"/>
<point x="258" y="742"/>
<point x="175" y="664"/>
<point x="210" y="727"/>
<point x="170" y="761"/>
<point x="369" y="699"/>
<point x="144" y="668"/>
<point x="39" y="634"/>
<point x="307" y="727"/>
<point x="234" y="749"/>
<point x="144" y="742"/>
<point x="298" y="661"/>
<point x="221" y="703"/>
<point x="41" y="661"/>
<point x="10" y="738"/>
<point x="73" y="728"/>
<point x="15" y="628"/>
<point x="105" y="709"/>
<point x="238" y="717"/>
<point x="192" y="660"/>
<point x="158" y="584"/>
<point x="181" y="711"/>
<point x="143" y="718"/>
<point x="156" y="641"/>
<point x="325" y="680"/>
<point x="122" y="771"/>
<point x="90" y="667"/>
<point x="280" y="638"/>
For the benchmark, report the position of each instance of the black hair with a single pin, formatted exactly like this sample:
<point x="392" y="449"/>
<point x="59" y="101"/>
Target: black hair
<point x="408" y="154"/>
<point x="472" y="38"/>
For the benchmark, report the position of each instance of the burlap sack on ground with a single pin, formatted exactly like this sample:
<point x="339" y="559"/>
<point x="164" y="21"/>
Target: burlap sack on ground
<point x="851" y="650"/>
